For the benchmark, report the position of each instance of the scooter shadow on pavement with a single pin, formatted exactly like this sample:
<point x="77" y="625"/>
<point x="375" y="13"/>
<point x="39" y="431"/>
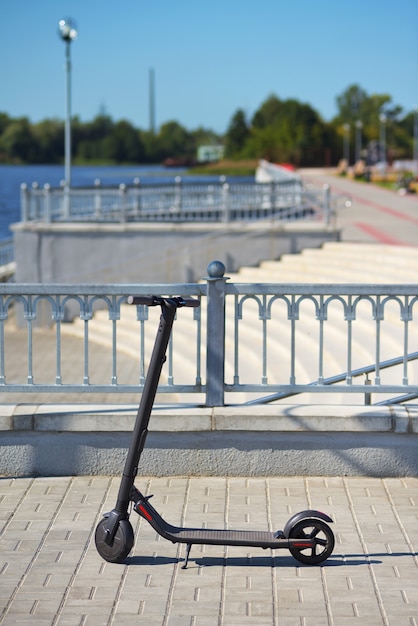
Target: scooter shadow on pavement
<point x="277" y="561"/>
<point x="266" y="561"/>
<point x="151" y="560"/>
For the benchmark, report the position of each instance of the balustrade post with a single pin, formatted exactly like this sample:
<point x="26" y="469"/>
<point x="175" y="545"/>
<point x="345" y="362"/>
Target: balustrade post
<point x="177" y="194"/>
<point x="137" y="195"/>
<point x="36" y="204"/>
<point x="47" y="203"/>
<point x="24" y="202"/>
<point x="97" y="198"/>
<point x="215" y="325"/>
<point x="367" y="396"/>
<point x="225" y="203"/>
<point x="67" y="203"/>
<point x="272" y="207"/>
<point x="327" y="203"/>
<point x="122" y="191"/>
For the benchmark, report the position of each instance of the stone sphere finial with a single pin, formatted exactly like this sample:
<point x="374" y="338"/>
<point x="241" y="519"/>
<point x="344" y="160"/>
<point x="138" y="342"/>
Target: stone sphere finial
<point x="216" y="269"/>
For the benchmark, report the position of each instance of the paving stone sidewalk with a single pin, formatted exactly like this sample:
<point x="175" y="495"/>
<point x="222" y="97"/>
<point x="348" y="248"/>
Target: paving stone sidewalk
<point x="51" y="574"/>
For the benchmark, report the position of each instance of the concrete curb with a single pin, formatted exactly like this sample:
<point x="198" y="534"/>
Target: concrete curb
<point x="280" y="440"/>
<point x="278" y="418"/>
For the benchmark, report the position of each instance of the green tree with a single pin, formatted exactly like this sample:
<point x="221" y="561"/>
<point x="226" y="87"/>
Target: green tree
<point x="100" y="127"/>
<point x="174" y="140"/>
<point x="49" y="135"/>
<point x="150" y="143"/>
<point x="404" y="136"/>
<point x="237" y="135"/>
<point x="19" y="142"/>
<point x="205" y="136"/>
<point x="287" y="130"/>
<point x="268" y="114"/>
<point x="89" y="139"/>
<point x="350" y="105"/>
<point x="280" y="130"/>
<point x="123" y="144"/>
<point x="4" y="122"/>
<point x="356" y="105"/>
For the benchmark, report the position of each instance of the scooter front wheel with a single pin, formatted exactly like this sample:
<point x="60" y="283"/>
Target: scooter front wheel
<point x="122" y="542"/>
<point x="322" y="539"/>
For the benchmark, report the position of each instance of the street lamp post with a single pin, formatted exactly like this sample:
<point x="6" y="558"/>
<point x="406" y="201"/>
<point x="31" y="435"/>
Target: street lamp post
<point x="68" y="32"/>
<point x="346" y="146"/>
<point x="415" y="153"/>
<point x="382" y="118"/>
<point x="359" y="126"/>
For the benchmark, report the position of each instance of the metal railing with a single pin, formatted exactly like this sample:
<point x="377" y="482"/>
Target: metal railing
<point x="250" y="338"/>
<point x="339" y="378"/>
<point x="177" y="202"/>
<point x="6" y="251"/>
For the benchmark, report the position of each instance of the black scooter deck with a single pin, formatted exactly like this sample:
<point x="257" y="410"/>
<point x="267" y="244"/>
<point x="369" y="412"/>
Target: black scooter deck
<point x="209" y="536"/>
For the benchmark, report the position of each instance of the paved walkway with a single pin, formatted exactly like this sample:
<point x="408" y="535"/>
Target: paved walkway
<point x="377" y="215"/>
<point x="51" y="574"/>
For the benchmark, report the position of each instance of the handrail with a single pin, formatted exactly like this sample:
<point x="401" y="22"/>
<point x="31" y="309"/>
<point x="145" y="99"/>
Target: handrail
<point x="6" y="251"/>
<point x="338" y="378"/>
<point x="399" y="400"/>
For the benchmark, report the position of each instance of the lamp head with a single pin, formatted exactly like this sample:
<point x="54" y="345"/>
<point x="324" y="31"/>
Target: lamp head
<point x="67" y="29"/>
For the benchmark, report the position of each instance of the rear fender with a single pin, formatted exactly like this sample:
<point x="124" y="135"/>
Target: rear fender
<point x="304" y="515"/>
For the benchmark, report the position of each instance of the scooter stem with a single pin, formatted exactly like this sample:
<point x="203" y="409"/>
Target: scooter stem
<point x="158" y="357"/>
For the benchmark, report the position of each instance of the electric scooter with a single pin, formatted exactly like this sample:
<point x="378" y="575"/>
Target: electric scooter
<point x="306" y="534"/>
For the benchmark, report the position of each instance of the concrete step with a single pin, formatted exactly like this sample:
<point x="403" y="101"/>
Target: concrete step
<point x="323" y="270"/>
<point x="338" y="262"/>
<point x="335" y="274"/>
<point x="395" y="254"/>
<point x="393" y="265"/>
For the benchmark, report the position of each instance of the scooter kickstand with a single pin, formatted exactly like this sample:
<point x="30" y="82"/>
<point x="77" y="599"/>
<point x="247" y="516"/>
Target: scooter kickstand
<point x="189" y="546"/>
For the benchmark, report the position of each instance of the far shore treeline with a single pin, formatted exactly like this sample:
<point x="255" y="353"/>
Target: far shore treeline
<point x="280" y="131"/>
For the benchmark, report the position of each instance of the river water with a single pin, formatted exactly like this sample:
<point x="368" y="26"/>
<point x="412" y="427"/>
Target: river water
<point x="12" y="176"/>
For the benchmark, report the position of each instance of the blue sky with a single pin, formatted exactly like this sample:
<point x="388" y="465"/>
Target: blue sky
<point x="209" y="58"/>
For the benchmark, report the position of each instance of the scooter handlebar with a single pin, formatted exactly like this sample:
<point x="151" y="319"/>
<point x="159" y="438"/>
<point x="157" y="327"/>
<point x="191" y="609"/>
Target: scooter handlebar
<point x="189" y="302"/>
<point x="146" y="300"/>
<point x="157" y="300"/>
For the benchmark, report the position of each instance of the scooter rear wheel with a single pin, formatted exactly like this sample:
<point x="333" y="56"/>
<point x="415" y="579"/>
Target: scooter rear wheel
<point x="322" y="541"/>
<point x="121" y="544"/>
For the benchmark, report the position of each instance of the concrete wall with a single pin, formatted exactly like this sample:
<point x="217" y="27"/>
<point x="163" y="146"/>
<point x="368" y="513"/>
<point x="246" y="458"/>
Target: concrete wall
<point x="152" y="253"/>
<point x="285" y="440"/>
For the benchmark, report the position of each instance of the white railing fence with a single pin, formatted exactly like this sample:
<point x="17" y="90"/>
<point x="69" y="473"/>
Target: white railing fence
<point x="251" y="339"/>
<point x="177" y="202"/>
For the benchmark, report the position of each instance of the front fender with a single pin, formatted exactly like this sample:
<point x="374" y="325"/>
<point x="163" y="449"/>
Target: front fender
<point x="304" y="515"/>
